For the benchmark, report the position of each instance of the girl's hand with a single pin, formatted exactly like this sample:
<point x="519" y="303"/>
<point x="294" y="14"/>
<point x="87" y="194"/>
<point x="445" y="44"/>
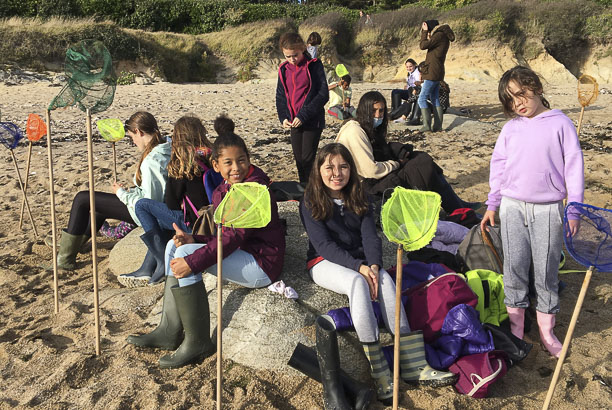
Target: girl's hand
<point x="573" y="226"/>
<point x="286" y="123"/>
<point x="424" y="27"/>
<point x="179" y="268"/>
<point x="116" y="186"/>
<point x="371" y="278"/>
<point x="296" y="122"/>
<point x="181" y="238"/>
<point x="489" y="217"/>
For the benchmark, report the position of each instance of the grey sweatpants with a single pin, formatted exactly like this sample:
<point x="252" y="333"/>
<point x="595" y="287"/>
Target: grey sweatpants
<point x="531" y="233"/>
<point x="351" y="283"/>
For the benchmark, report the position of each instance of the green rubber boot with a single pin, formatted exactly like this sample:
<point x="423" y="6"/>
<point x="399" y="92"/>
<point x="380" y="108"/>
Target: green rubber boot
<point x="69" y="246"/>
<point x="438" y="115"/>
<point x="426" y="117"/>
<point x="414" y="367"/>
<point x="168" y="334"/>
<point x="380" y="372"/>
<point x="192" y="305"/>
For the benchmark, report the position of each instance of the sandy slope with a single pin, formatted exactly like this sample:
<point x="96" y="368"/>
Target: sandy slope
<point x="48" y="360"/>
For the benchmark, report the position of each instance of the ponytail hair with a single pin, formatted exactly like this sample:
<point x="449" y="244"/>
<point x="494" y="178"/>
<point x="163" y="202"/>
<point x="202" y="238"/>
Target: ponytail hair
<point x="146" y="123"/>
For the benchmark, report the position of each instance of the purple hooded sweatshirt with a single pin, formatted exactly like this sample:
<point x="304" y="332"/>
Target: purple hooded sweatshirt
<point x="537" y="160"/>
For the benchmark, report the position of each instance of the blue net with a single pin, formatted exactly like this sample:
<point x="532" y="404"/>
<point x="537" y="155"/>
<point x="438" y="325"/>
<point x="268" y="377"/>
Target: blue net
<point x="10" y="134"/>
<point x="592" y="244"/>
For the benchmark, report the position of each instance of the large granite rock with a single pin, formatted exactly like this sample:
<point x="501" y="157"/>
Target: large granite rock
<point x="261" y="328"/>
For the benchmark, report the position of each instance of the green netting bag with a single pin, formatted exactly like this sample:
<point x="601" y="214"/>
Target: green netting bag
<point x="111" y="129"/>
<point x="246" y="205"/>
<point x="91" y="78"/>
<point x="410" y="217"/>
<point x="341" y="70"/>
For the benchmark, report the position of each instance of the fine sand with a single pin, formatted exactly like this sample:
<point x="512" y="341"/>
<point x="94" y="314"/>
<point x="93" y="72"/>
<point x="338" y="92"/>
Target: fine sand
<point x="48" y="360"/>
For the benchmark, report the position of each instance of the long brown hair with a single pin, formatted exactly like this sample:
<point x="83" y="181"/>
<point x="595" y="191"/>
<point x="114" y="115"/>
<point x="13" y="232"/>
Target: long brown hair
<point x="188" y="138"/>
<point x="146" y="123"/>
<point x="317" y="196"/>
<point x="525" y="78"/>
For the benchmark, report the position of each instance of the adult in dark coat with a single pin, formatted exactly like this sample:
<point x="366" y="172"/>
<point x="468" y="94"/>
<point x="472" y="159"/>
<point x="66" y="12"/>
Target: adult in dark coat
<point x="436" y="40"/>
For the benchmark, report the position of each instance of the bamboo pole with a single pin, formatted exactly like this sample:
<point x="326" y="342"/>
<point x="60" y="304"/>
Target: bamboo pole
<point x="25" y="185"/>
<point x="568" y="337"/>
<point x="53" y="218"/>
<point x="94" y="248"/>
<point x="114" y="163"/>
<point x="219" y="313"/>
<point x="25" y="198"/>
<point x="396" y="342"/>
<point x="580" y="121"/>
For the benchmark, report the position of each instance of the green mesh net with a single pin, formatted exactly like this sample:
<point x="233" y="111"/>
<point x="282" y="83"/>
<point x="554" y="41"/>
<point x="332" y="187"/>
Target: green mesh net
<point x="410" y="217"/>
<point x="91" y="79"/>
<point x="246" y="205"/>
<point x="111" y="129"/>
<point x="341" y="70"/>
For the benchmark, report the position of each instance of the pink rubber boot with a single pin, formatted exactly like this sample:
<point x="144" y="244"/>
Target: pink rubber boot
<point x="517" y="321"/>
<point x="546" y="323"/>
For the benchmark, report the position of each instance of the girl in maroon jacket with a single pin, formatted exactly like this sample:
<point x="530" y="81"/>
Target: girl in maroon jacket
<point x="252" y="257"/>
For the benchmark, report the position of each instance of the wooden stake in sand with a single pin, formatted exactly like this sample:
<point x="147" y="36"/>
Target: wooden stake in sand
<point x="25" y="198"/>
<point x="219" y="313"/>
<point x="35" y="130"/>
<point x="94" y="248"/>
<point x="53" y="218"/>
<point x="25" y="185"/>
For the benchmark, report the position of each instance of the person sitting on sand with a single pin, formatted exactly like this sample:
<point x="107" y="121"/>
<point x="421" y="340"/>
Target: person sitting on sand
<point x="345" y="256"/>
<point x="252" y="258"/>
<point x="383" y="165"/>
<point x="412" y="86"/>
<point x="340" y="94"/>
<point x="150" y="180"/>
<point x="184" y="196"/>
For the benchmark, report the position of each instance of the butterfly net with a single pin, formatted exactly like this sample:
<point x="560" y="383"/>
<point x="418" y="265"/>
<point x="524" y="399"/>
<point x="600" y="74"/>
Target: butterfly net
<point x="592" y="244"/>
<point x="410" y="217"/>
<point x="35" y="128"/>
<point x="588" y="90"/>
<point x="111" y="129"/>
<point x="10" y="134"/>
<point x="91" y="78"/>
<point x="246" y="205"/>
<point x="341" y="70"/>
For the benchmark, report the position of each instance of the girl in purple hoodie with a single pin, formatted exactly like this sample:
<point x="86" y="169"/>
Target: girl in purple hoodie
<point x="536" y="163"/>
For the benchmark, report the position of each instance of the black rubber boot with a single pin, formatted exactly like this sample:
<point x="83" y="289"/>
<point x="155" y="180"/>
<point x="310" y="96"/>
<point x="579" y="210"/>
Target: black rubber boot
<point x="415" y="115"/>
<point x="426" y="115"/>
<point x="450" y="200"/>
<point x="329" y="363"/>
<point x="396" y="101"/>
<point x="438" y="115"/>
<point x="192" y="305"/>
<point x="304" y="359"/>
<point x="156" y="241"/>
<point x="141" y="276"/>
<point x="169" y="332"/>
<point x="69" y="246"/>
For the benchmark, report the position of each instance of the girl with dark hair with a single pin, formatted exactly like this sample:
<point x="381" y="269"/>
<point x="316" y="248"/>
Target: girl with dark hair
<point x="537" y="162"/>
<point x="185" y="195"/>
<point x="345" y="256"/>
<point x="301" y="94"/>
<point x="252" y="258"/>
<point x="412" y="87"/>
<point x="383" y="165"/>
<point x="150" y="182"/>
<point x="313" y="42"/>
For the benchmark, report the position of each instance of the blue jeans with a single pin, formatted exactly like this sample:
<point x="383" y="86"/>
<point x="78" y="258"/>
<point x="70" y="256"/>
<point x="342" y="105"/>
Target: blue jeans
<point x="238" y="267"/>
<point x="429" y="89"/>
<point x="156" y="215"/>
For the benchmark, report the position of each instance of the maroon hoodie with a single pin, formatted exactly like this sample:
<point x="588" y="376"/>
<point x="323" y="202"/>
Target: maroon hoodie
<point x="267" y="245"/>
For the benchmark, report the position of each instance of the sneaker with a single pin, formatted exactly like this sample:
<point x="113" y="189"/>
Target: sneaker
<point x="130" y="281"/>
<point x="400" y="120"/>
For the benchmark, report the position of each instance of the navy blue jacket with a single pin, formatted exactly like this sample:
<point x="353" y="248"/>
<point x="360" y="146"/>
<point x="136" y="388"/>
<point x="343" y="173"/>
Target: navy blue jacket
<point x="346" y="239"/>
<point x="312" y="113"/>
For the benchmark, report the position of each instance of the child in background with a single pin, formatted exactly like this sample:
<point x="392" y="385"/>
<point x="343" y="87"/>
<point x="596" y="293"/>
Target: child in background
<point x="252" y="258"/>
<point x="536" y="163"/>
<point x="301" y="94"/>
<point x="340" y="99"/>
<point x="345" y="256"/>
<point x="313" y="42"/>
<point x="184" y="196"/>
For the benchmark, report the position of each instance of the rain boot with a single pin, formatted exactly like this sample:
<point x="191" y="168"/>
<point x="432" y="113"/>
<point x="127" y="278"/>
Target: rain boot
<point x="69" y="246"/>
<point x="414" y="367"/>
<point x="546" y="323"/>
<point x="379" y="368"/>
<point x="426" y="115"/>
<point x="169" y="332"/>
<point x="329" y="364"/>
<point x="438" y="115"/>
<point x="156" y="241"/>
<point x="396" y="101"/>
<point x="141" y="276"/>
<point x="304" y="359"/>
<point x="450" y="199"/>
<point x="517" y="321"/>
<point x="415" y="115"/>
<point x="192" y="305"/>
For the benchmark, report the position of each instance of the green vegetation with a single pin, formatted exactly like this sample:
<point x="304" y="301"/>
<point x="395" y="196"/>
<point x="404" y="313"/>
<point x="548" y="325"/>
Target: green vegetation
<point x="126" y="78"/>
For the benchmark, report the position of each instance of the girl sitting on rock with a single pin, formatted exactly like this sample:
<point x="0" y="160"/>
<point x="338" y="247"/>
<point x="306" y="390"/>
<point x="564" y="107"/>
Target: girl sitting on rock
<point x="252" y="258"/>
<point x="345" y="256"/>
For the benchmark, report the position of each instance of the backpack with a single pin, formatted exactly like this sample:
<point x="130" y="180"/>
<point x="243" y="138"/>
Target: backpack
<point x="481" y="250"/>
<point x="489" y="286"/>
<point x="478" y="371"/>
